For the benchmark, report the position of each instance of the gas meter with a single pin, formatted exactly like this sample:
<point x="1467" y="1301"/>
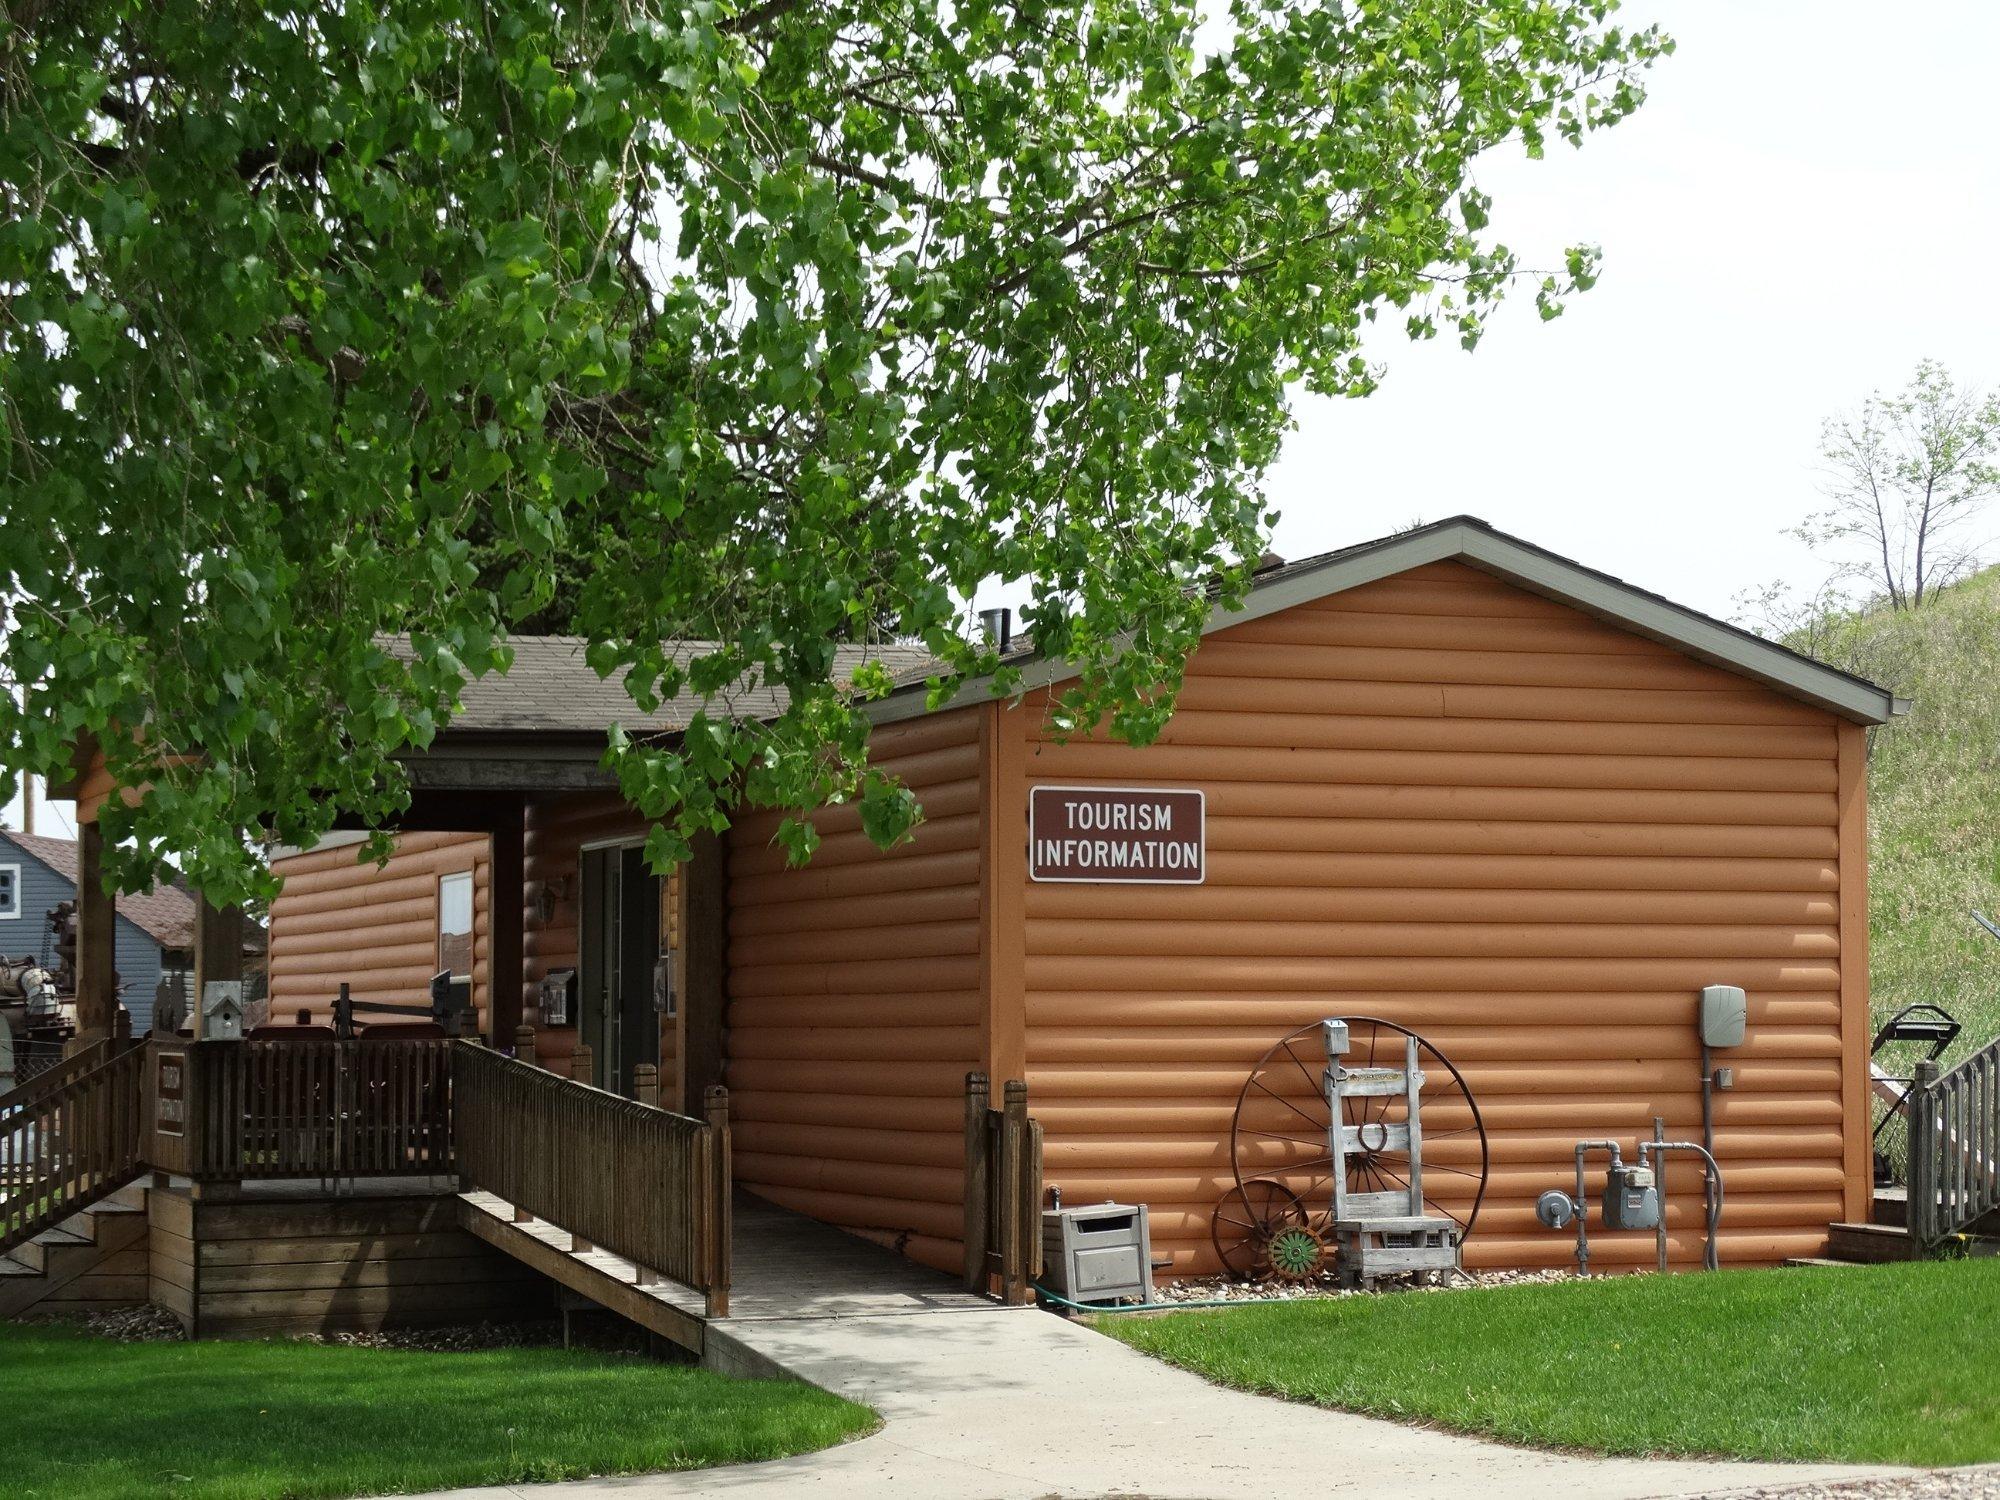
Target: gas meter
<point x="1631" y="1198"/>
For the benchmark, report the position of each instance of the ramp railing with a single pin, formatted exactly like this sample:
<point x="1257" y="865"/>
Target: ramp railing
<point x="234" y="1111"/>
<point x="642" y="1182"/>
<point x="69" y="1137"/>
<point x="1954" y="1144"/>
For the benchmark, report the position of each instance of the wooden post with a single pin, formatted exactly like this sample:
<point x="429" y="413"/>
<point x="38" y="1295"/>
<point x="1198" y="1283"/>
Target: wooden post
<point x="702" y="922"/>
<point x="978" y="1183"/>
<point x="721" y="1229"/>
<point x="646" y="1084"/>
<point x="1920" y="1114"/>
<point x="1013" y="1165"/>
<point x="582" y="1066"/>
<point x="96" y="935"/>
<point x="506" y="902"/>
<point x="218" y="944"/>
<point x="524" y="1045"/>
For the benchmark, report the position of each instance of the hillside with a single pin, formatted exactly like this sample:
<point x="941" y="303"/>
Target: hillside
<point x="1934" y="800"/>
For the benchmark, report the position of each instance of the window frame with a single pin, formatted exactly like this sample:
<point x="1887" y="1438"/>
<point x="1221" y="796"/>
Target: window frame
<point x="471" y="933"/>
<point x="10" y="911"/>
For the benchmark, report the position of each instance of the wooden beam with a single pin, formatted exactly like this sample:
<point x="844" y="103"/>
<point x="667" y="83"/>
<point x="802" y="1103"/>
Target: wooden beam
<point x="218" y="945"/>
<point x="444" y="810"/>
<point x="704" y="952"/>
<point x="505" y="900"/>
<point x="511" y="774"/>
<point x="96" y="937"/>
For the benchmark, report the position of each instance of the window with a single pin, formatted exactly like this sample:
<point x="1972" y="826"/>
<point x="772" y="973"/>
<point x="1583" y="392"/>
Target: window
<point x="455" y="923"/>
<point x="10" y="891"/>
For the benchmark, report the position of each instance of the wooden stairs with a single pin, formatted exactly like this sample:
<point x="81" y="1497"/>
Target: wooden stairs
<point x="95" y="1258"/>
<point x="1886" y="1237"/>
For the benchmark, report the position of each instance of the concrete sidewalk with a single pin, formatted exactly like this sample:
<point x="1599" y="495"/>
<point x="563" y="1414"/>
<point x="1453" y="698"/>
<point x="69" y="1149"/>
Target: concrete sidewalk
<point x="1015" y="1404"/>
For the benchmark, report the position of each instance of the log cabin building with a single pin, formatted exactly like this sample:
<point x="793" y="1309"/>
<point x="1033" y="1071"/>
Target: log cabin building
<point x="1446" y="778"/>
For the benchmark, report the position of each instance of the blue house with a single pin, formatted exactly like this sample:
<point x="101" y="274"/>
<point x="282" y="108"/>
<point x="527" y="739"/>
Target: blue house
<point x="155" y="928"/>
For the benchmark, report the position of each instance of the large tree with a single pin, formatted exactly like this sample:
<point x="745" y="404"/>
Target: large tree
<point x="775" y="324"/>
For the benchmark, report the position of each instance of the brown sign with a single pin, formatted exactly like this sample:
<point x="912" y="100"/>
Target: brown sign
<point x="1116" y="835"/>
<point x="170" y="1093"/>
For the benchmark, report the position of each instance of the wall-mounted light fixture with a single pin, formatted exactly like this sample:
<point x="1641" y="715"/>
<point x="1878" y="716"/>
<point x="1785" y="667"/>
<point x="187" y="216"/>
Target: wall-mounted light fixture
<point x="554" y="892"/>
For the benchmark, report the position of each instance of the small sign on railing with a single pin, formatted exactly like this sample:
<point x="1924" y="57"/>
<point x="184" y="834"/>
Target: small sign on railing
<point x="169" y="1091"/>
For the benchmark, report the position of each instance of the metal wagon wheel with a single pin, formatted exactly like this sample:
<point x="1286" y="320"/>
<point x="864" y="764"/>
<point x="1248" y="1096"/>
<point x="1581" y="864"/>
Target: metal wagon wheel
<point x="1280" y="1128"/>
<point x="1248" y="1219"/>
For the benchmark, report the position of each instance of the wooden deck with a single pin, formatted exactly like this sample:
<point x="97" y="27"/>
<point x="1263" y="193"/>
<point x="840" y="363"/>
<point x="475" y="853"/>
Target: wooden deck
<point x="786" y="1266"/>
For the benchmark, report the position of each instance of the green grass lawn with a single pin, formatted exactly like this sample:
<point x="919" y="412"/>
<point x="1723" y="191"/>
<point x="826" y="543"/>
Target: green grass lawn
<point x="85" y="1416"/>
<point x="1878" y="1364"/>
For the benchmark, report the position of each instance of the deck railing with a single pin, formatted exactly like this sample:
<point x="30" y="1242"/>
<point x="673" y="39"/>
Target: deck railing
<point x="68" y="1137"/>
<point x="1954" y="1144"/>
<point x="1003" y="1191"/>
<point x="641" y="1182"/>
<point x="230" y="1111"/>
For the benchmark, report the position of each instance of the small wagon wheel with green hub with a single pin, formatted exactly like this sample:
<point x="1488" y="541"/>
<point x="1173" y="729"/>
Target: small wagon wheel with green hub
<point x="1249" y="1219"/>
<point x="1279" y="1133"/>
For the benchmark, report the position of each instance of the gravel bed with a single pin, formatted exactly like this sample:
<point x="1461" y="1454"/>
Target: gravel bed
<point x="128" y="1325"/>
<point x="152" y="1325"/>
<point x="1980" y="1483"/>
<point x="1224" y="1289"/>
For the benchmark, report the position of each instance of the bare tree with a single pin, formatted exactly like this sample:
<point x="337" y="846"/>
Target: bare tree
<point x="1905" y="474"/>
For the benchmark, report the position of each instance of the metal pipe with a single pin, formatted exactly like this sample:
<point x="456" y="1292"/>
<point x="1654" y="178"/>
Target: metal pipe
<point x="1659" y="1186"/>
<point x="1710" y="1259"/>
<point x="1583" y="1200"/>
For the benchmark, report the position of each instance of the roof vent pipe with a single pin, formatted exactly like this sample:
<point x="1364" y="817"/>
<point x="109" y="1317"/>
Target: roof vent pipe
<point x="999" y="627"/>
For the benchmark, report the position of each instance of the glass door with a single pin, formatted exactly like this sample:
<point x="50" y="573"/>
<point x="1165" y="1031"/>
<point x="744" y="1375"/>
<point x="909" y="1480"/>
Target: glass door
<point x="618" y="947"/>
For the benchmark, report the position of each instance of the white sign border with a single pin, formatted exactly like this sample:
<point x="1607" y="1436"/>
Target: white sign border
<point x="1196" y="792"/>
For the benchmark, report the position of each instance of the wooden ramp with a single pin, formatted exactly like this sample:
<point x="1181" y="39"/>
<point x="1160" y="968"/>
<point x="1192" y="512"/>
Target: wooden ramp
<point x="785" y="1266"/>
<point x="667" y="1308"/>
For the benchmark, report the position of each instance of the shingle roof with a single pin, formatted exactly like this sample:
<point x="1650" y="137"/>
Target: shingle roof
<point x="165" y="913"/>
<point x="550" y="688"/>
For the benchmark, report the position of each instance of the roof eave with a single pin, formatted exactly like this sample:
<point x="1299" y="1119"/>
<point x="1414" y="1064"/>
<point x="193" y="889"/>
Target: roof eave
<point x="1472" y="542"/>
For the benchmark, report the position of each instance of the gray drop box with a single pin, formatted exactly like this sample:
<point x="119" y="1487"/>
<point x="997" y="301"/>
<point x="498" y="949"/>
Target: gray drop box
<point x="1098" y="1253"/>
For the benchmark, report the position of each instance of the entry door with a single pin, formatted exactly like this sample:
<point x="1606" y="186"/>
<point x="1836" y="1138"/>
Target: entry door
<point x="620" y="944"/>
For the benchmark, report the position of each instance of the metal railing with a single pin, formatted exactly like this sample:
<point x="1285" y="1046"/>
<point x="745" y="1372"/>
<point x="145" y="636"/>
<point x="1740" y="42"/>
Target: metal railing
<point x="641" y="1182"/>
<point x="69" y="1137"/>
<point x="1954" y="1145"/>
<point x="1003" y="1191"/>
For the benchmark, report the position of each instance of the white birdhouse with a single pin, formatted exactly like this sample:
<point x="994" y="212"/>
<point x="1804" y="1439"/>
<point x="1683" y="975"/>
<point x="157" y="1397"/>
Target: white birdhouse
<point x="221" y="1017"/>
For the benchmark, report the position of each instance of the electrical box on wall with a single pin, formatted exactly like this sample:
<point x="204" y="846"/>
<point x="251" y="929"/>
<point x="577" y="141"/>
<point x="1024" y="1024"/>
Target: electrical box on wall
<point x="1724" y="1012"/>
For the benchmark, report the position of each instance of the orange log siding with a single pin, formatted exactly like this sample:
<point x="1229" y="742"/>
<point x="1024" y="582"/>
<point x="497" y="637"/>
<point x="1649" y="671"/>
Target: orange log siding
<point x="857" y="1002"/>
<point x="558" y="827"/>
<point x="1528" y="835"/>
<point x="339" y="919"/>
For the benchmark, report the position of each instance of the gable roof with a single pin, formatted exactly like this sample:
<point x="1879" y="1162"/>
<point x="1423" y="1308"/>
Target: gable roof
<point x="165" y="913"/>
<point x="551" y="689"/>
<point x="1469" y="540"/>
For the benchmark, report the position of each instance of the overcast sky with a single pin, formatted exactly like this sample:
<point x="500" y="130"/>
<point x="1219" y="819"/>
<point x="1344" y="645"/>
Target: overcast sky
<point x="1807" y="205"/>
